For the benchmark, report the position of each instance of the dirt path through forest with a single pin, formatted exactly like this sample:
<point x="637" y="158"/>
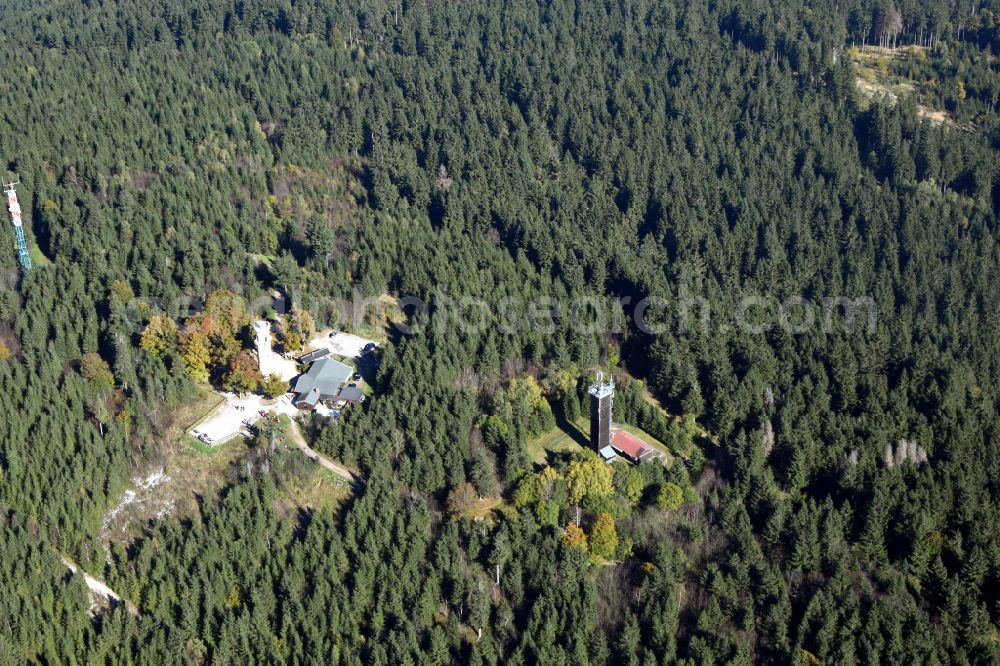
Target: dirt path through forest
<point x="300" y="441"/>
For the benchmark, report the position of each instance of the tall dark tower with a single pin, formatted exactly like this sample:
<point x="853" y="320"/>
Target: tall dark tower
<point x="601" y="395"/>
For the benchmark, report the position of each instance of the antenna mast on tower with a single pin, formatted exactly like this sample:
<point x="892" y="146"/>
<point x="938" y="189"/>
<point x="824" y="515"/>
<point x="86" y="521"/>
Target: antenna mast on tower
<point x="15" y="217"/>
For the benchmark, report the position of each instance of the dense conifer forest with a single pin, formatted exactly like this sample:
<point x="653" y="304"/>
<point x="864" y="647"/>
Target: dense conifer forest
<point x="831" y="494"/>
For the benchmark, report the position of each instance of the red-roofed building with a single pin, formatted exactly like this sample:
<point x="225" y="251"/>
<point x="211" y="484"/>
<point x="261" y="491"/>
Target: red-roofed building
<point x="631" y="447"/>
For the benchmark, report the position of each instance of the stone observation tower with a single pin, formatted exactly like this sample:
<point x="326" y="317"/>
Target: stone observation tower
<point x="262" y="329"/>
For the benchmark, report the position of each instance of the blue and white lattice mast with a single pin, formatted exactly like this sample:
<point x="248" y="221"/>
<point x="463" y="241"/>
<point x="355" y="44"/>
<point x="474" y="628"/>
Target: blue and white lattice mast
<point x="15" y="217"/>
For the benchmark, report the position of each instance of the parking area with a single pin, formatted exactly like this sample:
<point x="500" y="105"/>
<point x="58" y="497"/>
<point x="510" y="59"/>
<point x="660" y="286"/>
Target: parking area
<point x="346" y="345"/>
<point x="229" y="419"/>
<point x="237" y="414"/>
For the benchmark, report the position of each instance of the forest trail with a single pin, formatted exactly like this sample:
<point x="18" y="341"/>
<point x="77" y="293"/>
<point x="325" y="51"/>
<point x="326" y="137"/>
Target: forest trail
<point x="300" y="441"/>
<point x="99" y="588"/>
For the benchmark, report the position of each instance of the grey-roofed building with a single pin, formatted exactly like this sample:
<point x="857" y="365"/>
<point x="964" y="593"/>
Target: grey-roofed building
<point x="313" y="356"/>
<point x="321" y="382"/>
<point x="309" y="400"/>
<point x="351" y="394"/>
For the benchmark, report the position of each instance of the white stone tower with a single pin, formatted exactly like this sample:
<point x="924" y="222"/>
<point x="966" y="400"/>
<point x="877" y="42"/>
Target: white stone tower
<point x="263" y="331"/>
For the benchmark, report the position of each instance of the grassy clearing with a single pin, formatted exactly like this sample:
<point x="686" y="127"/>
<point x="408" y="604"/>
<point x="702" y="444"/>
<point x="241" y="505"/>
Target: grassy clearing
<point x="700" y="436"/>
<point x="565" y="437"/>
<point x="209" y="449"/>
<point x="265" y="259"/>
<point x="572" y="437"/>
<point x="195" y="472"/>
<point x="307" y="486"/>
<point x="324" y="491"/>
<point x="37" y="258"/>
<point x="192" y="413"/>
<point x="484" y="508"/>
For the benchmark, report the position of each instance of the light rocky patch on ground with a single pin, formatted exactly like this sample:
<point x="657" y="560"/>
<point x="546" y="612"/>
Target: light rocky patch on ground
<point x="873" y="84"/>
<point x="891" y="92"/>
<point x="176" y="484"/>
<point x="141" y="497"/>
<point x="99" y="591"/>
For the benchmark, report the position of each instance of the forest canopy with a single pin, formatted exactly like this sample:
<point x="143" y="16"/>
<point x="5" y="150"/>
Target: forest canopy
<point x="824" y="495"/>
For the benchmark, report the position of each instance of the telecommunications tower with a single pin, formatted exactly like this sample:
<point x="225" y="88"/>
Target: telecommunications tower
<point x="602" y="394"/>
<point x="15" y="218"/>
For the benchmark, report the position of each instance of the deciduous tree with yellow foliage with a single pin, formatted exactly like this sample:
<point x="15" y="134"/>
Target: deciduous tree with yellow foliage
<point x="603" y="537"/>
<point x="575" y="537"/>
<point x="159" y="336"/>
<point x="588" y="475"/>
<point x="197" y="356"/>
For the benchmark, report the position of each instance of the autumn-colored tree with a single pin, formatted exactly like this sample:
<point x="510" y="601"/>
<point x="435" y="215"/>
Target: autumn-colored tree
<point x="462" y="497"/>
<point x="547" y="480"/>
<point x="121" y="292"/>
<point x="303" y="322"/>
<point x="528" y="390"/>
<point x="219" y="326"/>
<point x="670" y="496"/>
<point x="603" y="537"/>
<point x="96" y="370"/>
<point x="575" y="537"/>
<point x="273" y="386"/>
<point x="290" y="340"/>
<point x="4" y="351"/>
<point x="526" y="492"/>
<point x="125" y="418"/>
<point x="196" y="356"/>
<point x="243" y="374"/>
<point x="588" y="476"/>
<point x="223" y="347"/>
<point x="160" y="335"/>
<point x="227" y="310"/>
<point x="235" y="598"/>
<point x="296" y="329"/>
